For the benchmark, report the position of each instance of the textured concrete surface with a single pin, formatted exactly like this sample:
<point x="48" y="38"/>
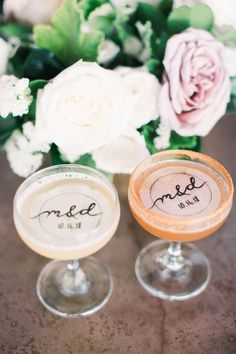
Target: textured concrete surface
<point x="133" y="321"/>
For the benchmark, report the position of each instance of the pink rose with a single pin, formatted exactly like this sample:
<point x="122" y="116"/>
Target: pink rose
<point x="196" y="87"/>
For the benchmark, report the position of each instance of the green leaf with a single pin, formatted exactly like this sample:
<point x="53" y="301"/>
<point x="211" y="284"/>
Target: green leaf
<point x="198" y="16"/>
<point x="7" y="126"/>
<point x="231" y="108"/>
<point x="152" y="66"/>
<point x="181" y="142"/>
<point x="34" y="87"/>
<point x="121" y="27"/>
<point x="149" y="133"/>
<point x="56" y="158"/>
<point x="16" y="30"/>
<point x="146" y="12"/>
<point x="64" y="38"/>
<point x="41" y="64"/>
<point x="103" y="24"/>
<point x="202" y="17"/>
<point x="166" y="7"/>
<point x="179" y="19"/>
<point x="86" y="160"/>
<point x="16" y="63"/>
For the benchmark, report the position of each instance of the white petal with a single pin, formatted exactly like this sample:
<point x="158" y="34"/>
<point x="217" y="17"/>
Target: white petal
<point x="123" y="154"/>
<point x="83" y="108"/>
<point x="15" y="96"/>
<point x="144" y="89"/>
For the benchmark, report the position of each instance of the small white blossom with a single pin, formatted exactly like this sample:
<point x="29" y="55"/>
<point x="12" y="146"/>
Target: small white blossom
<point x="108" y="51"/>
<point x="123" y="154"/>
<point x="25" y="150"/>
<point x="35" y="141"/>
<point x="15" y="96"/>
<point x="162" y="141"/>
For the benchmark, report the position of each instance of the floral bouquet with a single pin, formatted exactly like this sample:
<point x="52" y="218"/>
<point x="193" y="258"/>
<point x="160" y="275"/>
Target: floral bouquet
<point x="106" y="83"/>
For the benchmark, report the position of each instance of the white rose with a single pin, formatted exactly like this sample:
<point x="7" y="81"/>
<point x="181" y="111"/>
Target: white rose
<point x="123" y="154"/>
<point x="5" y="52"/>
<point x="108" y="51"/>
<point x="15" y="96"/>
<point x="24" y="150"/>
<point x="144" y="89"/>
<point x="30" y="11"/>
<point x="83" y="108"/>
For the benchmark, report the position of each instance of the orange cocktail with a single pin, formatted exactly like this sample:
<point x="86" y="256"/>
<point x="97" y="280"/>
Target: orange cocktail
<point x="180" y="196"/>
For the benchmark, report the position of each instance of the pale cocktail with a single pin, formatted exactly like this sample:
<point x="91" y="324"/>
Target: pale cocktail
<point x="67" y="213"/>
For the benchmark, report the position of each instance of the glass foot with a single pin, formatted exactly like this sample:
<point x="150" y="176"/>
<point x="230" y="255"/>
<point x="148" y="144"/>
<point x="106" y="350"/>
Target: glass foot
<point x="178" y="277"/>
<point x="77" y="288"/>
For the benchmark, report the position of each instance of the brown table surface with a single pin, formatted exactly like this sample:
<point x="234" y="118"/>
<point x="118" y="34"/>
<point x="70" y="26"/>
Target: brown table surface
<point x="133" y="321"/>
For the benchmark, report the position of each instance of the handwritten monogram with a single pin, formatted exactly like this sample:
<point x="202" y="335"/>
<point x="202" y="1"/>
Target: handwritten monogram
<point x="72" y="212"/>
<point x="191" y="186"/>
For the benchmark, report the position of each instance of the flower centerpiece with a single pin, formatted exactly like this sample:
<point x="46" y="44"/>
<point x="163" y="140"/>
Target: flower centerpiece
<point x="106" y="83"/>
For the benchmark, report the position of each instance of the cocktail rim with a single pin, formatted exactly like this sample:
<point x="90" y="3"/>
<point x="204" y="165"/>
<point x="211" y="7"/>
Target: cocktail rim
<point x="165" y="222"/>
<point x="68" y="168"/>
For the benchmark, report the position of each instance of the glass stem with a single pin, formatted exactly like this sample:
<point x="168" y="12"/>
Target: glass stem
<point x="76" y="280"/>
<point x="73" y="266"/>
<point x="175" y="259"/>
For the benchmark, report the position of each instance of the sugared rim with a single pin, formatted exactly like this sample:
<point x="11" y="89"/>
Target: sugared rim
<point x="168" y="222"/>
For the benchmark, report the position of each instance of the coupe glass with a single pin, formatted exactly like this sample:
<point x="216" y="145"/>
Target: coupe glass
<point x="67" y="213"/>
<point x="179" y="196"/>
